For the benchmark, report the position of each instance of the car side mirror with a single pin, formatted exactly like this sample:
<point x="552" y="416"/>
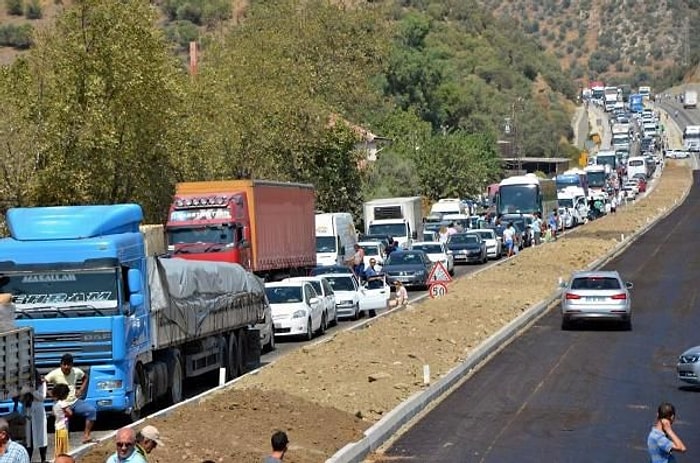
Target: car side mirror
<point x="314" y="301"/>
<point x="629" y="285"/>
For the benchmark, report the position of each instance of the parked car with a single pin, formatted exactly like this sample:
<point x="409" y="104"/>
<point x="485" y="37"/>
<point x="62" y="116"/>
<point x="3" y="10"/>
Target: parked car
<point x="493" y="244"/>
<point x="688" y="366"/>
<point x="325" y="293"/>
<point x="410" y="267"/>
<point x="326" y="269"/>
<point x="596" y="295"/>
<point x="437" y="252"/>
<point x="467" y="247"/>
<point x="352" y="298"/>
<point x="296" y="309"/>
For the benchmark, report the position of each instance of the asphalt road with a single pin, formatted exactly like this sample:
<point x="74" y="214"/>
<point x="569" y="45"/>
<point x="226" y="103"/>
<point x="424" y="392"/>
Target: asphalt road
<point x="589" y="394"/>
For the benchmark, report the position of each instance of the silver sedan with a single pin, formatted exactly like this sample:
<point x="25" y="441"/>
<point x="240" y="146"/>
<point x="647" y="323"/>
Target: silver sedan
<point x="597" y="295"/>
<point x="688" y="366"/>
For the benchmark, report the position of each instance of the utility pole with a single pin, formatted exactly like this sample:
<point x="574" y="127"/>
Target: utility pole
<point x="686" y="41"/>
<point x="515" y="129"/>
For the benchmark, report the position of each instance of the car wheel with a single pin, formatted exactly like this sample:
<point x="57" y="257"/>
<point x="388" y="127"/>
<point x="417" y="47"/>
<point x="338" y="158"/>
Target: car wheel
<point x="335" y="318"/>
<point x="451" y="272"/>
<point x="309" y="335"/>
<point x="271" y="343"/>
<point x="627" y="325"/>
<point x="356" y="315"/>
<point x="324" y="324"/>
<point x="565" y="324"/>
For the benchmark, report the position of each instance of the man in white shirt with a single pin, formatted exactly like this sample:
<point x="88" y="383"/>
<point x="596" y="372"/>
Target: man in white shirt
<point x="69" y="375"/>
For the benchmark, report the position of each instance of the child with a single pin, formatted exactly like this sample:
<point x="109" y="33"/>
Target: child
<point x="62" y="412"/>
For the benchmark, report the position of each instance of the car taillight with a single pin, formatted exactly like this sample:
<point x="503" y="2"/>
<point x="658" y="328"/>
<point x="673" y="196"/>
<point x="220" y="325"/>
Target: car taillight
<point x="619" y="297"/>
<point x="572" y="296"/>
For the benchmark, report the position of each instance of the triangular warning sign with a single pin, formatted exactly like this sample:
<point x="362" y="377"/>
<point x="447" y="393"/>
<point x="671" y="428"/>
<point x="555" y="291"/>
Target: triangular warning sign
<point x="439" y="273"/>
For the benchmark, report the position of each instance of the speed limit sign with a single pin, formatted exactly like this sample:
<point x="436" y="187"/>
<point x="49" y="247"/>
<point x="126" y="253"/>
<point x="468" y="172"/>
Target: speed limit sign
<point x="437" y="290"/>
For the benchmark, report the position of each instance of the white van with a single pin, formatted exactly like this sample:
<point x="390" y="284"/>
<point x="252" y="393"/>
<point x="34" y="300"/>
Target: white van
<point x="448" y="206"/>
<point x="335" y="238"/>
<point x="636" y="165"/>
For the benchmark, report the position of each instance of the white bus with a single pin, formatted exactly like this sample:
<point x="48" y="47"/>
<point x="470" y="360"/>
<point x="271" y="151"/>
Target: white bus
<point x="636" y="165"/>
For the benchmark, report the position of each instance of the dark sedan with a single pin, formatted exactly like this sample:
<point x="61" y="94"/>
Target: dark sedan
<point x="411" y="268"/>
<point x="467" y="247"/>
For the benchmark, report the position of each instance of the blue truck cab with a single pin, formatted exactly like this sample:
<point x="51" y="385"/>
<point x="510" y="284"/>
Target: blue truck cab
<point x="139" y="325"/>
<point x="78" y="278"/>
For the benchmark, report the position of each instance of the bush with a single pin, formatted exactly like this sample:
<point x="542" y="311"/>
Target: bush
<point x="15" y="36"/>
<point x="14" y="7"/>
<point x="182" y="33"/>
<point x="33" y="10"/>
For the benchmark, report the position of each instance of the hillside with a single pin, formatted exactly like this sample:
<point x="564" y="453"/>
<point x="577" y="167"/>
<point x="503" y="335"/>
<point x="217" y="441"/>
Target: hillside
<point x="638" y="41"/>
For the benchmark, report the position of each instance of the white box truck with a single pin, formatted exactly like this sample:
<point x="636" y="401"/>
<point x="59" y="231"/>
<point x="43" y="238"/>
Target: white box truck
<point x="690" y="99"/>
<point x="335" y="238"/>
<point x="400" y="218"/>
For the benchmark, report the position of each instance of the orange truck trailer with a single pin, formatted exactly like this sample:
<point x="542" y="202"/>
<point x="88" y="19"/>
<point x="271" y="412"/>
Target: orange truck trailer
<point x="267" y="227"/>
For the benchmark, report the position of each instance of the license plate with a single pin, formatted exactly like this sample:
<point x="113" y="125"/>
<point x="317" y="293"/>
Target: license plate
<point x="595" y="298"/>
<point x="278" y="326"/>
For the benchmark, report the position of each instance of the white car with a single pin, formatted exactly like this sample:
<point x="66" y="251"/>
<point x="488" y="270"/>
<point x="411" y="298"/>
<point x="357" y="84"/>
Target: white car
<point x="373" y="250"/>
<point x="437" y="252"/>
<point x="325" y="292"/>
<point x="296" y="309"/>
<point x="494" y="248"/>
<point x="352" y="298"/>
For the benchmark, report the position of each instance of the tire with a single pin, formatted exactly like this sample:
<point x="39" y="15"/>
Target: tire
<point x="233" y="358"/>
<point x="270" y="346"/>
<point x="335" y="317"/>
<point x="139" y="395"/>
<point x="242" y="338"/>
<point x="324" y="324"/>
<point x="309" y="335"/>
<point x="357" y="314"/>
<point x="627" y="325"/>
<point x="565" y="324"/>
<point x="175" y="390"/>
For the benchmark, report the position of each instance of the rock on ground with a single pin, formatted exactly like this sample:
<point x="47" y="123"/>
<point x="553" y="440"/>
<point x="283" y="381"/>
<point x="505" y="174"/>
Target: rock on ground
<point x="325" y="396"/>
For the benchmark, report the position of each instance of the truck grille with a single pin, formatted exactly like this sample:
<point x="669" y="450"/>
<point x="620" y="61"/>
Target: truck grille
<point x="85" y="347"/>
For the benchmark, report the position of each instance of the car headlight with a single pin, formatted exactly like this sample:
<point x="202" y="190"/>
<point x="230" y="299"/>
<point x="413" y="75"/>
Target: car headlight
<point x="347" y="302"/>
<point x="299" y="314"/>
<point x="420" y="273"/>
<point x="693" y="358"/>
<point x="109" y="384"/>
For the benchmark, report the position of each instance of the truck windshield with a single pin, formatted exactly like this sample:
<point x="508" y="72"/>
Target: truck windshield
<point x="596" y="179"/>
<point x="216" y="234"/>
<point x="524" y="199"/>
<point x="56" y="293"/>
<point x="325" y="244"/>
<point x="388" y="229"/>
<point x="567" y="180"/>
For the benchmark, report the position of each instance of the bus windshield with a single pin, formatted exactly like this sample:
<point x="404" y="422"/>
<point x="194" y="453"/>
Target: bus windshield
<point x="524" y="199"/>
<point x="596" y="179"/>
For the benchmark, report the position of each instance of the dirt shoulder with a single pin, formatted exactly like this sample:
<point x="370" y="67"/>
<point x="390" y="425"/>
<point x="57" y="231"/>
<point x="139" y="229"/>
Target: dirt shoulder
<point x="325" y="396"/>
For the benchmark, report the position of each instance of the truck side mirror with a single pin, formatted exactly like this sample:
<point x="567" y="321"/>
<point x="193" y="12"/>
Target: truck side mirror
<point x="136" y="299"/>
<point x="135" y="280"/>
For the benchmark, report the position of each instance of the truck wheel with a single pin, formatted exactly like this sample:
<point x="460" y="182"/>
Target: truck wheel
<point x="233" y="359"/>
<point x="175" y="394"/>
<point x="243" y="349"/>
<point x="139" y="397"/>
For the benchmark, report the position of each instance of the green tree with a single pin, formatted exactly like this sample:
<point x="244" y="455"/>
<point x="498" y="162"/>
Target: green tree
<point x="108" y="108"/>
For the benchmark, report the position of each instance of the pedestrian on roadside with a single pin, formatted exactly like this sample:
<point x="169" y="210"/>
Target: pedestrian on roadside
<point x="61" y="412"/>
<point x="126" y="448"/>
<point x="280" y="443"/>
<point x="401" y="297"/>
<point x="537" y="229"/>
<point x="662" y="439"/>
<point x="613" y="204"/>
<point x="35" y="415"/>
<point x="443" y="234"/>
<point x="10" y="451"/>
<point x="554" y="223"/>
<point x="148" y="439"/>
<point x="71" y="375"/>
<point x="509" y="239"/>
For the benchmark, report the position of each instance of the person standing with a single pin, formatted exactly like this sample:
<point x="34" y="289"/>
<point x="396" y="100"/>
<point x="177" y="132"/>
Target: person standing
<point x="70" y="375"/>
<point x="126" y="448"/>
<point x="509" y="240"/>
<point x="10" y="451"/>
<point x="35" y="414"/>
<point x="280" y="444"/>
<point x="61" y="412"/>
<point x="148" y="439"/>
<point x="537" y="229"/>
<point x="662" y="440"/>
<point x="358" y="261"/>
